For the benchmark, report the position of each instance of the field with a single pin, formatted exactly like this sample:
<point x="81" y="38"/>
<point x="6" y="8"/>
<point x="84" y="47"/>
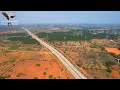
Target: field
<point x="22" y="57"/>
<point x="26" y="60"/>
<point x="87" y="52"/>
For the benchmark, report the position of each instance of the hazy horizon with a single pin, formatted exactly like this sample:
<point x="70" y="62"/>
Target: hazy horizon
<point x="66" y="17"/>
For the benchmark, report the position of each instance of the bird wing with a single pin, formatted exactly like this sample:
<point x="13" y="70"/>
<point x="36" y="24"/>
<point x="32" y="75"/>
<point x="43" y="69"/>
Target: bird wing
<point x="12" y="16"/>
<point x="6" y="15"/>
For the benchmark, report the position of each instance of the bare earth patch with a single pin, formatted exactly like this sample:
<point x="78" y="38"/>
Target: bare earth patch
<point x="40" y="64"/>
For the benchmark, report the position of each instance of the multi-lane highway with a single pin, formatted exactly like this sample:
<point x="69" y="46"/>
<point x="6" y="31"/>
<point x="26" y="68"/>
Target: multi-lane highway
<point x="76" y="73"/>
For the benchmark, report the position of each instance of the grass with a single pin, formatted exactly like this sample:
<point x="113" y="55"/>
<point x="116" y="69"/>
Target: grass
<point x="105" y="58"/>
<point x="50" y="76"/>
<point x="12" y="60"/>
<point x="14" y="46"/>
<point x="29" y="49"/>
<point x="7" y="51"/>
<point x="37" y="64"/>
<point x="35" y="57"/>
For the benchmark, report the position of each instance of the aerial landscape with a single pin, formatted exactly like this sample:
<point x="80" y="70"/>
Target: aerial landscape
<point x="60" y="45"/>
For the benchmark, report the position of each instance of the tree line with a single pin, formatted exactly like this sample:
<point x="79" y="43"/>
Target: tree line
<point x="75" y="35"/>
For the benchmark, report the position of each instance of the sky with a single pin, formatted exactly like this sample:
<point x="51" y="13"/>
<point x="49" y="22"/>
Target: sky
<point x="36" y="17"/>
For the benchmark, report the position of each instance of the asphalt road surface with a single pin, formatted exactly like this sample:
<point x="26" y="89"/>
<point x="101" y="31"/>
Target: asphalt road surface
<point x="76" y="73"/>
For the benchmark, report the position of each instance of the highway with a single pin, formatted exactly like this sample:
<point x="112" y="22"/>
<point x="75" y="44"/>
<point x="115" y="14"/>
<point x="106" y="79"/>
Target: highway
<point x="76" y="73"/>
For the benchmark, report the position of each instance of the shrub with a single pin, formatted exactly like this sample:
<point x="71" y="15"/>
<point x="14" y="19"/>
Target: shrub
<point x="109" y="63"/>
<point x="108" y="70"/>
<point x="114" y="55"/>
<point x="102" y="48"/>
<point x="50" y="76"/>
<point x="0" y="64"/>
<point x="8" y="76"/>
<point x="118" y="48"/>
<point x="105" y="58"/>
<point x="13" y="64"/>
<point x="19" y="74"/>
<point x="44" y="73"/>
<point x="61" y="68"/>
<point x="10" y="70"/>
<point x="95" y="76"/>
<point x="13" y="60"/>
<point x="3" y="77"/>
<point x="37" y="64"/>
<point x="14" y="46"/>
<point x="93" y="46"/>
<point x="78" y="64"/>
<point x="35" y="78"/>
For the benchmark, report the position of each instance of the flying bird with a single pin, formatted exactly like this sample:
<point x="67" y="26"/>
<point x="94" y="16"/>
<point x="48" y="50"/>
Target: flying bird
<point x="8" y="16"/>
<point x="12" y="16"/>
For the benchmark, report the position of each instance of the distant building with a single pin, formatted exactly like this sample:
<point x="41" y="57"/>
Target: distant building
<point x="100" y="31"/>
<point x="54" y="28"/>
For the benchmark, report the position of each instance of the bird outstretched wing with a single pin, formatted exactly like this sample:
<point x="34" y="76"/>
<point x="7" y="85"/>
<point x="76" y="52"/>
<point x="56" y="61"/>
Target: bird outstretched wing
<point x="6" y="15"/>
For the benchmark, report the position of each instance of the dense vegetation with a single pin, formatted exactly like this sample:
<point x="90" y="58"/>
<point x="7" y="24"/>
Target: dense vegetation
<point x="114" y="55"/>
<point x="21" y="37"/>
<point x="24" y="40"/>
<point x="108" y="65"/>
<point x="14" y="34"/>
<point x="75" y="35"/>
<point x="4" y="77"/>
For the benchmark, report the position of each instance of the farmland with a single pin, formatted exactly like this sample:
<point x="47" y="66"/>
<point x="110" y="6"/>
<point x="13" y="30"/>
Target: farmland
<point x="22" y="57"/>
<point x="94" y="54"/>
<point x="86" y="51"/>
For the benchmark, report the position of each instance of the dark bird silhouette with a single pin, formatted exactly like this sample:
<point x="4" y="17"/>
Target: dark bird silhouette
<point x="12" y="16"/>
<point x="9" y="23"/>
<point x="6" y="15"/>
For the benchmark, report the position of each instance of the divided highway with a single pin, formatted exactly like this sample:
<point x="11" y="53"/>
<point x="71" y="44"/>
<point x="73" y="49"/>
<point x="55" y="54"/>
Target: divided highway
<point x="76" y="73"/>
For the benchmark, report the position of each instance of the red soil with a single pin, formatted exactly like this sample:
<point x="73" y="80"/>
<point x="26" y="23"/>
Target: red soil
<point x="28" y="69"/>
<point x="113" y="50"/>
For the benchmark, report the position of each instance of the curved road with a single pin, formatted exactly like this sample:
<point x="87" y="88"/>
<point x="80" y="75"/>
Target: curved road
<point x="77" y="74"/>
